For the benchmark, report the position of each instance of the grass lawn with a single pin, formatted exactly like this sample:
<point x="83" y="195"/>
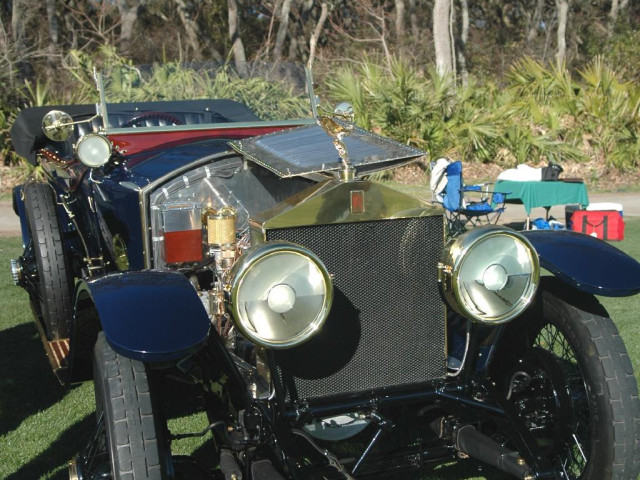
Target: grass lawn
<point x="42" y="426"/>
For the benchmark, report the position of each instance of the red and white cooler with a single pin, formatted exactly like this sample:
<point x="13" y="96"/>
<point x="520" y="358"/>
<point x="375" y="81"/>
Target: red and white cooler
<point x="602" y="220"/>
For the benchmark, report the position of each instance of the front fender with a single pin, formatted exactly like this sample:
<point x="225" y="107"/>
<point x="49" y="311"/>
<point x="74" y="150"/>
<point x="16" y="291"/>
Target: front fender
<point x="586" y="263"/>
<point x="150" y="316"/>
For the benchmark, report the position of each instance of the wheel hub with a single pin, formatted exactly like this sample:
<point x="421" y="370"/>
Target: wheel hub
<point x="538" y="392"/>
<point x="16" y="272"/>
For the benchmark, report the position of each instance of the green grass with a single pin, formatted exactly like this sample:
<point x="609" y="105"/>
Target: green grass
<point x="42" y="427"/>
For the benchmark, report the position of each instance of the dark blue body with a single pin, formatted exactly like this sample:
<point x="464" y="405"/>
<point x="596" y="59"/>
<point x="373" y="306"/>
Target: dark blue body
<point x="586" y="263"/>
<point x="150" y="316"/>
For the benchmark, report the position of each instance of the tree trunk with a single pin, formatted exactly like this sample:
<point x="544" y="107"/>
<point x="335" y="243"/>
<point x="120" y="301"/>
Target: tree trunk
<point x="128" y="17"/>
<point x="534" y="24"/>
<point x="563" y="13"/>
<point x="415" y="30"/>
<point x="54" y="27"/>
<point x="6" y="67"/>
<point x="70" y="25"/>
<point x="618" y="8"/>
<point x="313" y="41"/>
<point x="283" y="30"/>
<point x="442" y="36"/>
<point x="236" y="42"/>
<point x="462" y="44"/>
<point x="613" y="15"/>
<point x="18" y="35"/>
<point x="190" y="27"/>
<point x="195" y="37"/>
<point x="399" y="19"/>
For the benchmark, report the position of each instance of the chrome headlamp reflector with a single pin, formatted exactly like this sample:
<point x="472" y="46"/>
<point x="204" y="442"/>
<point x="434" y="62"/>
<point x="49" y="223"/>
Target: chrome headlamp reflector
<point x="490" y="274"/>
<point x="93" y="150"/>
<point x="281" y="294"/>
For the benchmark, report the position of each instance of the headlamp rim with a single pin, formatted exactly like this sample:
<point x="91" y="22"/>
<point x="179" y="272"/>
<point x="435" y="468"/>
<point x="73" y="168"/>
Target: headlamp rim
<point x="259" y="253"/>
<point x="86" y="137"/>
<point x="468" y="242"/>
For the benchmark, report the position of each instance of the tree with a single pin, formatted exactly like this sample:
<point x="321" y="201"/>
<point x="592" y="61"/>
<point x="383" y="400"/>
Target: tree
<point x="413" y="17"/>
<point x="535" y="20"/>
<point x="194" y="33"/>
<point x="617" y="7"/>
<point x="442" y="37"/>
<point x="129" y="10"/>
<point x="563" y="12"/>
<point x="190" y="26"/>
<point x="19" y="18"/>
<point x="399" y="19"/>
<point x="52" y="21"/>
<point x="462" y="40"/>
<point x="313" y="41"/>
<point x="236" y="42"/>
<point x="283" y="30"/>
<point x="370" y="27"/>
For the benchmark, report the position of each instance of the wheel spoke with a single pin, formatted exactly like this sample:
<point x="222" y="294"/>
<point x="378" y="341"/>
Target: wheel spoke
<point x="557" y="401"/>
<point x="94" y="459"/>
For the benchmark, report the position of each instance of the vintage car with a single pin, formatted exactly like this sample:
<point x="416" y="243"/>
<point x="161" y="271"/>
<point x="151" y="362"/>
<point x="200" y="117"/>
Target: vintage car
<point x="188" y="255"/>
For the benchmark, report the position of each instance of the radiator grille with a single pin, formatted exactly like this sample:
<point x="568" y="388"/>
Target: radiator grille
<point x="386" y="326"/>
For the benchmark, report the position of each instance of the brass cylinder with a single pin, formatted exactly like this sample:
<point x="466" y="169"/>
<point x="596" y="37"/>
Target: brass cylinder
<point x="221" y="226"/>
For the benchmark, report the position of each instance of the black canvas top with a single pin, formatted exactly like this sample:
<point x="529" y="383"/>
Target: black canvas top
<point x="28" y="137"/>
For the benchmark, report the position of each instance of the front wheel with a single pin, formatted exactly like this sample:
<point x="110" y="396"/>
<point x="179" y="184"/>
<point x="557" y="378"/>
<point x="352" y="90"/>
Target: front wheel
<point x="129" y="440"/>
<point x="571" y="383"/>
<point x="54" y="284"/>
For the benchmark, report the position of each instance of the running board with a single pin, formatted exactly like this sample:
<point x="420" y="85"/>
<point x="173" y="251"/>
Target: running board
<point x="57" y="353"/>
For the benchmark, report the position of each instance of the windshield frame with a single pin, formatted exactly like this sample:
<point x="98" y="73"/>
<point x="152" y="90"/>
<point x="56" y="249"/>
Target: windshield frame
<point x="105" y="106"/>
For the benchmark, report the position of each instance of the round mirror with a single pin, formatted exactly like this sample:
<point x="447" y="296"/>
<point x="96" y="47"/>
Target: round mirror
<point x="57" y="125"/>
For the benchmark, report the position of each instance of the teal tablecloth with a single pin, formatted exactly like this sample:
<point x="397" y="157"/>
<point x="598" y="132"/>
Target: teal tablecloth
<point x="543" y="194"/>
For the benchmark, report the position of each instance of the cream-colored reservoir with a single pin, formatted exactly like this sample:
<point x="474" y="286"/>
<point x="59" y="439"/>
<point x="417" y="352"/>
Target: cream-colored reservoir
<point x="221" y="226"/>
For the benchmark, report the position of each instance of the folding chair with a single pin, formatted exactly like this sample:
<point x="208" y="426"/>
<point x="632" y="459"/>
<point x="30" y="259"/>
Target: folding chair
<point x="462" y="209"/>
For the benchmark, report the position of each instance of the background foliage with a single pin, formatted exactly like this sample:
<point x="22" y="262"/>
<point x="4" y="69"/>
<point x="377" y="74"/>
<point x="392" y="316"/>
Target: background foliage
<point x="508" y="102"/>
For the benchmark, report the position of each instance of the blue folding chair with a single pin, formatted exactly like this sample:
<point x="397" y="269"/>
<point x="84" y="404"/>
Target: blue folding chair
<point x="466" y="205"/>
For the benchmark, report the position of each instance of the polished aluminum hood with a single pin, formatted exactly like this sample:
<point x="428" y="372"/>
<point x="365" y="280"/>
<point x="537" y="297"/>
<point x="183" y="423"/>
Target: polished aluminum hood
<point x="308" y="149"/>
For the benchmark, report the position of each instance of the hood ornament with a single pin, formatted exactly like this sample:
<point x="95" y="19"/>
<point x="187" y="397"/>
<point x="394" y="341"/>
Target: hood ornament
<point x="337" y="127"/>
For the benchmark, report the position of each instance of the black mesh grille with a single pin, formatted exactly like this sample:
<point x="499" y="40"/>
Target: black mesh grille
<point x="386" y="326"/>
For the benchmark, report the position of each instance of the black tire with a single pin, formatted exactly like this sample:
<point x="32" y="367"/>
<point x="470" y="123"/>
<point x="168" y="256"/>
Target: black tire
<point x="578" y="392"/>
<point x="54" y="285"/>
<point x="133" y="435"/>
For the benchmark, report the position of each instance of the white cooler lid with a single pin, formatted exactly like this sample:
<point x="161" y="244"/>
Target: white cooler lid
<point x="605" y="206"/>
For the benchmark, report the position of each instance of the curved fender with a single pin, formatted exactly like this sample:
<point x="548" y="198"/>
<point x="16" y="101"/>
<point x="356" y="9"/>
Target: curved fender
<point x="150" y="316"/>
<point x="586" y="263"/>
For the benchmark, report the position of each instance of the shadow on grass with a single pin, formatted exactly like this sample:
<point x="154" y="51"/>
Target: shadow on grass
<point x="27" y="385"/>
<point x="59" y="452"/>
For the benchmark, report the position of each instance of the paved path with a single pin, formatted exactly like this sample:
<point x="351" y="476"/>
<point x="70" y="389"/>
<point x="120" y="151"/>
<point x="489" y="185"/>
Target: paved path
<point x="10" y="225"/>
<point x="9" y="222"/>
